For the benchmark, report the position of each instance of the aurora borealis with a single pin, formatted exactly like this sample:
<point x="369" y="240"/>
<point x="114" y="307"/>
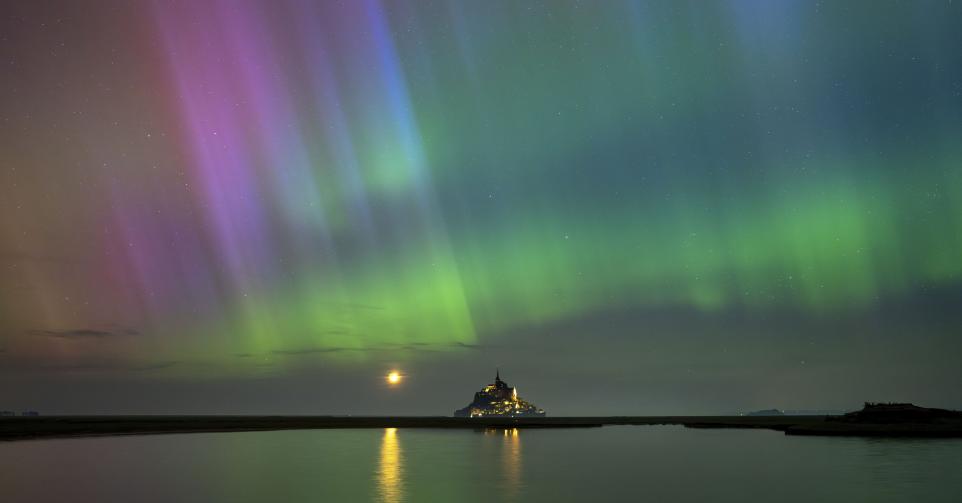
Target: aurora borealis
<point x="306" y="191"/>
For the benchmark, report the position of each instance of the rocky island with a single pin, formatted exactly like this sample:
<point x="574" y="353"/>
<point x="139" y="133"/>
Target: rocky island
<point x="499" y="400"/>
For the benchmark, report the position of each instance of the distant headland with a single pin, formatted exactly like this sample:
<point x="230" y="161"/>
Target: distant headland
<point x="887" y="420"/>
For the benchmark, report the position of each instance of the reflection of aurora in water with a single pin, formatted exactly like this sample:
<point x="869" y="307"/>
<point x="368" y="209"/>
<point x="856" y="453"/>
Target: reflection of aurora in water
<point x="619" y="463"/>
<point x="390" y="483"/>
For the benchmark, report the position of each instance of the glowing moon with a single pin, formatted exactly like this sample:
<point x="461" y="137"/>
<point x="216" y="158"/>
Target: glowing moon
<point x="394" y="377"/>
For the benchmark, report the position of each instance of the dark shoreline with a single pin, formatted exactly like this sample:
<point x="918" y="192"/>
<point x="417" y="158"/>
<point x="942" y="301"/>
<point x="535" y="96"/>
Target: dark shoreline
<point x="24" y="428"/>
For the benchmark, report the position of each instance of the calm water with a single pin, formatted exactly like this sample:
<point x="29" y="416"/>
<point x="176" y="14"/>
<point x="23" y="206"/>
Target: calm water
<point x="626" y="463"/>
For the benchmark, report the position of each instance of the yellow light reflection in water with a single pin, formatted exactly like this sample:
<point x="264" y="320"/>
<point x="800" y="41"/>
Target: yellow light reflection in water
<point x="390" y="470"/>
<point x="511" y="462"/>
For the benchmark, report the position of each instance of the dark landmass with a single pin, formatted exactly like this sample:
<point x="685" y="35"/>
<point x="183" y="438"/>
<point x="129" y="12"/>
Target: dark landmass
<point x="887" y="420"/>
<point x="901" y="421"/>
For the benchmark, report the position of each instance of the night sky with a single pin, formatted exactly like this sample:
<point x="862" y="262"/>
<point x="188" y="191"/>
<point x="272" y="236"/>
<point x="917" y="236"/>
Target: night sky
<point x="663" y="207"/>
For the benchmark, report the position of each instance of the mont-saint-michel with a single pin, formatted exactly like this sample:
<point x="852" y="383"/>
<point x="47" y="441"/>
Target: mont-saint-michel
<point x="499" y="400"/>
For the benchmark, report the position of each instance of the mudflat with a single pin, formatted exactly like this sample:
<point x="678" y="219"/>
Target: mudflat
<point x="17" y="428"/>
<point x="918" y="422"/>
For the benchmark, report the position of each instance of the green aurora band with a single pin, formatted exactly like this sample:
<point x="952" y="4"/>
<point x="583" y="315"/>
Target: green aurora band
<point x="491" y="166"/>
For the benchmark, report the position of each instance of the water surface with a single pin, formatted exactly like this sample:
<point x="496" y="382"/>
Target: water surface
<point x="615" y="463"/>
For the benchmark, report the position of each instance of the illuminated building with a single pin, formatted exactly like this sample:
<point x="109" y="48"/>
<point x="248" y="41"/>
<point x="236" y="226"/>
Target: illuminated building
<point x="499" y="399"/>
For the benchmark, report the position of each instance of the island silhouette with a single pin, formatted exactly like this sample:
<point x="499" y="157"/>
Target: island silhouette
<point x="499" y="400"/>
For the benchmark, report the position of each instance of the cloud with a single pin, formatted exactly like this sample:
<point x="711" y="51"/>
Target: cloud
<point x="418" y="348"/>
<point x="15" y="255"/>
<point x="425" y="347"/>
<point x="307" y="351"/>
<point x="155" y="366"/>
<point x="434" y="347"/>
<point x="115" y="366"/>
<point x="86" y="333"/>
